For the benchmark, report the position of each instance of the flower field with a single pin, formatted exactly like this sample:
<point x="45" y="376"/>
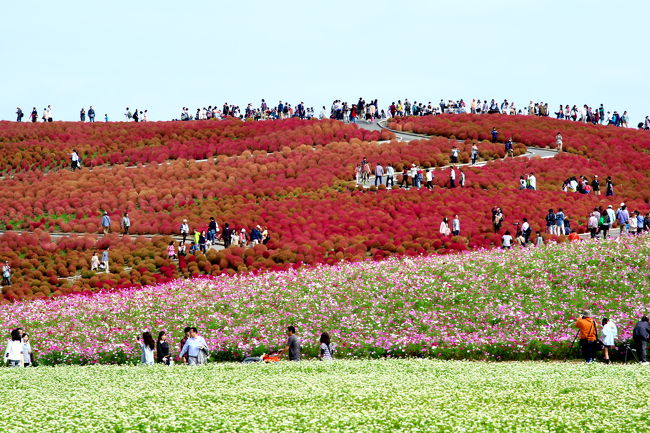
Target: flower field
<point x="293" y="177"/>
<point x="343" y="396"/>
<point x="491" y="304"/>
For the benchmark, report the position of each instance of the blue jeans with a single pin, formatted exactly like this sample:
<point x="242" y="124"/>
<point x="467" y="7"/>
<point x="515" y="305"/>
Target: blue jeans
<point x="378" y="180"/>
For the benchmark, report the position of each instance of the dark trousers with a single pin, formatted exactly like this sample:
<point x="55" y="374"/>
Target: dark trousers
<point x="389" y="181"/>
<point x="452" y="183"/>
<point x="641" y="348"/>
<point x="587" y="348"/>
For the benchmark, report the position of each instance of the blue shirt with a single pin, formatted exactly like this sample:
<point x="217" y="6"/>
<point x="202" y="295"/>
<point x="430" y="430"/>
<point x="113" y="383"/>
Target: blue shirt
<point x="106" y="221"/>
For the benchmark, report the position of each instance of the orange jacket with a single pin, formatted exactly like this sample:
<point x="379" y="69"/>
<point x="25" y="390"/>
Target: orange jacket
<point x="587" y="327"/>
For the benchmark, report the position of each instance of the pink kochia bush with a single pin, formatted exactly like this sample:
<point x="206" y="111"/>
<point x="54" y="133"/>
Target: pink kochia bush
<point x="481" y="305"/>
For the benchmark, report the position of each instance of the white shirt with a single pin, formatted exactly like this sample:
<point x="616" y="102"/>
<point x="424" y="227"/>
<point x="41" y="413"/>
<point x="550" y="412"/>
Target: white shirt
<point x="429" y="176"/>
<point x="533" y="181"/>
<point x="74" y="156"/>
<point x="506" y="239"/>
<point x="14" y="350"/>
<point x="452" y="175"/>
<point x="456" y="224"/>
<point x="193" y="346"/>
<point x="390" y="170"/>
<point x="609" y="333"/>
<point x="525" y="226"/>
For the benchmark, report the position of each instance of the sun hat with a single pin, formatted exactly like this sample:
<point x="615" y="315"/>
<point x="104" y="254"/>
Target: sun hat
<point x="586" y="313"/>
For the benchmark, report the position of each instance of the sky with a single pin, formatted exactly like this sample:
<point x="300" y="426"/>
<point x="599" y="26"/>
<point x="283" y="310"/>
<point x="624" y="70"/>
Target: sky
<point x="163" y="55"/>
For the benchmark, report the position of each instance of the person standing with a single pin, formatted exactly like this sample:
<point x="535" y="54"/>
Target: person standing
<point x="455" y="226"/>
<point x="74" y="158"/>
<point x="592" y="225"/>
<point x="227" y="235"/>
<point x="429" y="178"/>
<point x="559" y="222"/>
<point x="452" y="178"/>
<point x="551" y="222"/>
<point x="34" y="115"/>
<point x="595" y="185"/>
<point x="148" y="347"/>
<point x="126" y="223"/>
<point x="497" y="219"/>
<point x="94" y="262"/>
<point x="623" y="217"/>
<point x="609" y="187"/>
<point x="293" y="345"/>
<point x="444" y="227"/>
<point x="462" y="177"/>
<point x="82" y="114"/>
<point x="379" y="174"/>
<point x="162" y="349"/>
<point x="558" y="142"/>
<point x="91" y="114"/>
<point x="6" y="274"/>
<point x="495" y="134"/>
<point x="19" y="114"/>
<point x="390" y="176"/>
<point x="588" y="334"/>
<point x="526" y="231"/>
<point x="454" y="155"/>
<point x="609" y="333"/>
<point x="640" y="335"/>
<point x="105" y="259"/>
<point x="326" y="349"/>
<point x="14" y="351"/>
<point x="196" y="348"/>
<point x="185" y="230"/>
<point x="474" y="153"/>
<point x="50" y="113"/>
<point x="106" y="223"/>
<point x="532" y="182"/>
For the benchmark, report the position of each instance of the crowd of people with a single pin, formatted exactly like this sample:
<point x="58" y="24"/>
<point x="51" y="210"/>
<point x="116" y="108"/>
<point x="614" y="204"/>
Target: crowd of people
<point x="192" y="349"/>
<point x="591" y="343"/>
<point x="583" y="185"/>
<point x="410" y="177"/>
<point x="370" y="111"/>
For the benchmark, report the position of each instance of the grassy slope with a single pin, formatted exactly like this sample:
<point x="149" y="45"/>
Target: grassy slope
<point x="396" y="395"/>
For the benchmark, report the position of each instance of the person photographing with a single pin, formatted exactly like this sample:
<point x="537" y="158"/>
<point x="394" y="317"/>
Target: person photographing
<point x="588" y="336"/>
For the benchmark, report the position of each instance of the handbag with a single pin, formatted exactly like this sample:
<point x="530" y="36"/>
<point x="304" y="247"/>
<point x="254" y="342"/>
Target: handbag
<point x="597" y="344"/>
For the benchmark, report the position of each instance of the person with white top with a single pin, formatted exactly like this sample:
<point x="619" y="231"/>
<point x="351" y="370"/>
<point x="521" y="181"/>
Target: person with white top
<point x="195" y="347"/>
<point x="532" y="182"/>
<point x="452" y="178"/>
<point x="455" y="226"/>
<point x="74" y="158"/>
<point x="429" y="178"/>
<point x="506" y="241"/>
<point x="558" y="142"/>
<point x="185" y="230"/>
<point x="609" y="333"/>
<point x="14" y="351"/>
<point x="444" y="227"/>
<point x="27" y="351"/>
<point x="326" y="348"/>
<point x="148" y="346"/>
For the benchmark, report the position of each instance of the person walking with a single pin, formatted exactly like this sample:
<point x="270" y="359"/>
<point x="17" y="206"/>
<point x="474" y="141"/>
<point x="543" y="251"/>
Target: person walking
<point x="588" y="335"/>
<point x="293" y="345"/>
<point x="148" y="347"/>
<point x="641" y="335"/>
<point x="19" y="114"/>
<point x="608" y="333"/>
<point x="105" y="260"/>
<point x="126" y="223"/>
<point x="14" y="350"/>
<point x="474" y="153"/>
<point x="379" y="174"/>
<point x="390" y="176"/>
<point x="106" y="223"/>
<point x="162" y="349"/>
<point x="6" y="274"/>
<point x="326" y="349"/>
<point x="196" y="348"/>
<point x="74" y="160"/>
<point x="623" y="217"/>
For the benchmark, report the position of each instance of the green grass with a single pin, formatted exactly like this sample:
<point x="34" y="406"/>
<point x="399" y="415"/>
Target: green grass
<point x="351" y="396"/>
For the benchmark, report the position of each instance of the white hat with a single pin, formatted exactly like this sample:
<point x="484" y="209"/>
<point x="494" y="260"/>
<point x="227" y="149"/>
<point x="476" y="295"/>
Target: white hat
<point x="622" y="204"/>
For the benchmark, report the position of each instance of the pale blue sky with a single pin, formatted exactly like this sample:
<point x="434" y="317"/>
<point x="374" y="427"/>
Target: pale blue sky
<point x="162" y="55"/>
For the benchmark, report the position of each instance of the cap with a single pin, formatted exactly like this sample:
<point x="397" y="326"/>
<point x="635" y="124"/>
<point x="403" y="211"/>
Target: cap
<point x="622" y="204"/>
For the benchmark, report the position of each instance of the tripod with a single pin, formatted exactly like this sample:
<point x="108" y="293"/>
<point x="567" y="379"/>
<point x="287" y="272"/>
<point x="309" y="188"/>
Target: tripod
<point x="571" y="347"/>
<point x="630" y="349"/>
